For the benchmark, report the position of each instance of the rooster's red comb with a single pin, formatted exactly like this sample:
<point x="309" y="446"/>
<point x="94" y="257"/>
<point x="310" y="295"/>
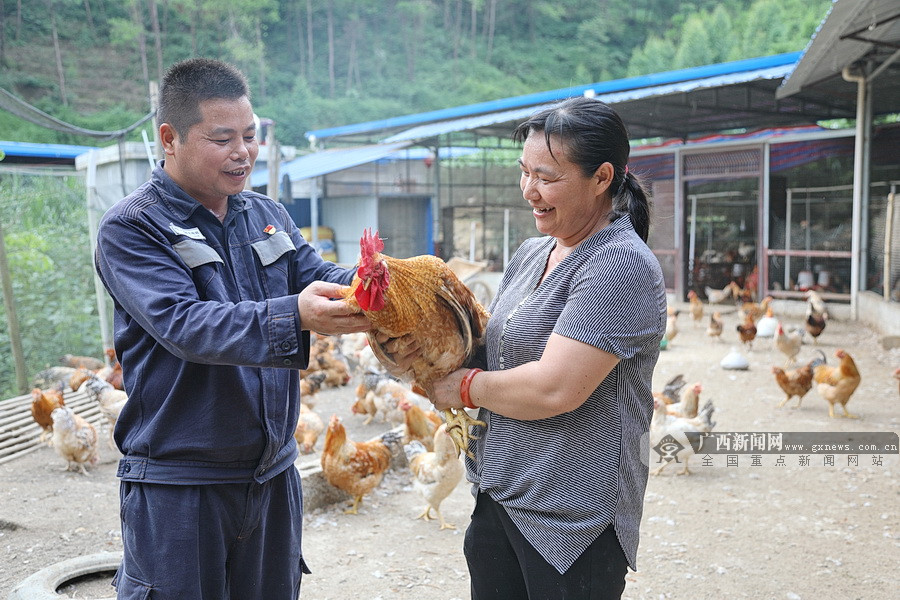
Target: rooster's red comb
<point x="369" y="244"/>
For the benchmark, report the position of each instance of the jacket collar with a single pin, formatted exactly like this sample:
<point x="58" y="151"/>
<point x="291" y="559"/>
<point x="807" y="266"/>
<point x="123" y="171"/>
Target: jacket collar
<point x="179" y="201"/>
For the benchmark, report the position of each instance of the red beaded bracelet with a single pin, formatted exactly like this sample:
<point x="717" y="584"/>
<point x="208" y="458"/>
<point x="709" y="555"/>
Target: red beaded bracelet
<point x="464" y="387"/>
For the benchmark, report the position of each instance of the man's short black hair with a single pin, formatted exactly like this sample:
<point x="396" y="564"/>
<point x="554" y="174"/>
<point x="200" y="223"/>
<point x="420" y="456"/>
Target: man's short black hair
<point x="190" y="82"/>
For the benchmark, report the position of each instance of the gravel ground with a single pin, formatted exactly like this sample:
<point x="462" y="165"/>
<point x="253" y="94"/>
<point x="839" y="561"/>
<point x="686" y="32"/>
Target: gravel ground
<point x="798" y="531"/>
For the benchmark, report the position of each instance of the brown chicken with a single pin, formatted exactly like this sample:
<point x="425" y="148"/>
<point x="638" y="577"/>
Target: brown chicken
<point x="43" y="402"/>
<point x="435" y="473"/>
<point x="671" y="324"/>
<point x="309" y="428"/>
<point x="755" y="310"/>
<point x="796" y="382"/>
<point x="420" y="297"/>
<point x="837" y="384"/>
<point x="79" y="377"/>
<point x="112" y="372"/>
<point x="85" y="362"/>
<point x="353" y="467"/>
<point x="325" y="356"/>
<point x="696" y="307"/>
<point x="74" y="439"/>
<point x="715" y="327"/>
<point x="419" y="424"/>
<point x="310" y="386"/>
<point x="747" y="331"/>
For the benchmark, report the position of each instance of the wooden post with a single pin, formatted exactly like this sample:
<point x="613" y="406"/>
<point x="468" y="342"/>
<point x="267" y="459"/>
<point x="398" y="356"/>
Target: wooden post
<point x="15" y="338"/>
<point x="154" y="105"/>
<point x="272" y="162"/>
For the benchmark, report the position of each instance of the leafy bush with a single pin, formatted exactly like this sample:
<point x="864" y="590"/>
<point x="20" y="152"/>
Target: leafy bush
<point x="48" y="249"/>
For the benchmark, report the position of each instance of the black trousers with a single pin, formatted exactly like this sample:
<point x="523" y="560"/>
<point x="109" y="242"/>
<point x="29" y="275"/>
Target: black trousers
<point x="504" y="566"/>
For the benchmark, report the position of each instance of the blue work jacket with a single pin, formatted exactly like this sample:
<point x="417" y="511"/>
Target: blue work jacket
<point x="208" y="333"/>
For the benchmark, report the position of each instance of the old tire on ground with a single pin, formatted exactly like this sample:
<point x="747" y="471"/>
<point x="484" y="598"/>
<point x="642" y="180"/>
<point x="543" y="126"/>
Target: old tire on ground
<point x="43" y="584"/>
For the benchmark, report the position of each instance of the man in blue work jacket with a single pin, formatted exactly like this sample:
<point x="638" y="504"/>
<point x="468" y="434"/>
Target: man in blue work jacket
<point x="215" y="294"/>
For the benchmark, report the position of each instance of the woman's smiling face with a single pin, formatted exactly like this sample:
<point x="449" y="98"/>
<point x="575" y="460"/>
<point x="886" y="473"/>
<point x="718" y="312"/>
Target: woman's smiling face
<point x="566" y="203"/>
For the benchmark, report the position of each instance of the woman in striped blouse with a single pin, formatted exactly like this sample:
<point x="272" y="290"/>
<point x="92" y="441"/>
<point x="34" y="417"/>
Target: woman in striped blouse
<point x="569" y="355"/>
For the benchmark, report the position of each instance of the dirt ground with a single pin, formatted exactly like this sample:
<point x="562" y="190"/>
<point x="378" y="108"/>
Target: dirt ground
<point x="797" y="531"/>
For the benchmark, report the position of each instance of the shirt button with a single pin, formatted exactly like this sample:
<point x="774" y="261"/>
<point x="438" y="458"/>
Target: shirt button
<point x="128" y="467"/>
<point x="285" y="346"/>
<point x="286" y="361"/>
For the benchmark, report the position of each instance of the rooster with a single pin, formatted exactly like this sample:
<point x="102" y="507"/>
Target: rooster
<point x="74" y="439"/>
<point x="43" y="402"/>
<point x="353" y="467"/>
<point x="837" y="384"/>
<point x="435" y="473"/>
<point x="420" y="297"/>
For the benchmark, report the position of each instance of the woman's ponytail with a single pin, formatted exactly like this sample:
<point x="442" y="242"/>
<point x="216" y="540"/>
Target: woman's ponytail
<point x="632" y="199"/>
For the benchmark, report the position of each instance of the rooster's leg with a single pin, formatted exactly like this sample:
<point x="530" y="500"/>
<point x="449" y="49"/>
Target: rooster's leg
<point x="426" y="514"/>
<point x="458" y="423"/>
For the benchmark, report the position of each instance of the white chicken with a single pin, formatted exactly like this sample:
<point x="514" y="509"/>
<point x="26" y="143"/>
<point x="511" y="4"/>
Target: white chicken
<point x="689" y="404"/>
<point x="74" y="439"/>
<point x="667" y="434"/>
<point x="435" y="474"/>
<point x="110" y="399"/>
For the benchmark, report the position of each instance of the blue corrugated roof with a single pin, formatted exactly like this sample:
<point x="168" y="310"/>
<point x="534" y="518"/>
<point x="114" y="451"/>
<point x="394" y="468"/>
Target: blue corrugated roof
<point x="43" y="150"/>
<point x="327" y="161"/>
<point x="428" y="130"/>
<point x="617" y="85"/>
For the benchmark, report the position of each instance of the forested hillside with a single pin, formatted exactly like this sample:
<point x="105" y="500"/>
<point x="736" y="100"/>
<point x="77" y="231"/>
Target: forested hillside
<point x="319" y="63"/>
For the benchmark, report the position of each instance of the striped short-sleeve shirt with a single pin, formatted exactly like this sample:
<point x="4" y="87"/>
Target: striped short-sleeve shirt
<point x="564" y="479"/>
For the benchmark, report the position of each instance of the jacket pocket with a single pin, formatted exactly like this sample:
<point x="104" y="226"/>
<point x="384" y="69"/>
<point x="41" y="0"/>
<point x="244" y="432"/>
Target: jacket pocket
<point x="195" y="254"/>
<point x="204" y="263"/>
<point x="273" y="254"/>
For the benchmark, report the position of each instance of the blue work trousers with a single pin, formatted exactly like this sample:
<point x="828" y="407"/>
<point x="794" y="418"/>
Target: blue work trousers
<point x="237" y="541"/>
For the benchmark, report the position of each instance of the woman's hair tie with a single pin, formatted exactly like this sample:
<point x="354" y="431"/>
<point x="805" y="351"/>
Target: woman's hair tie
<point x="626" y="170"/>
